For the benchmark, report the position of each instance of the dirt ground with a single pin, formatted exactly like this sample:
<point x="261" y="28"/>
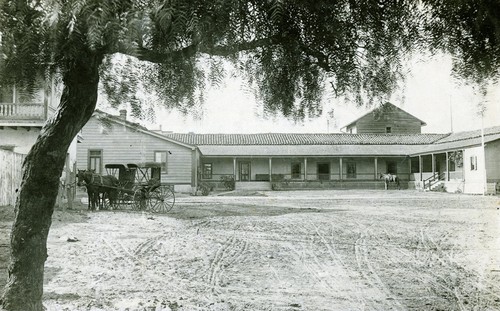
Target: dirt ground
<point x="303" y="250"/>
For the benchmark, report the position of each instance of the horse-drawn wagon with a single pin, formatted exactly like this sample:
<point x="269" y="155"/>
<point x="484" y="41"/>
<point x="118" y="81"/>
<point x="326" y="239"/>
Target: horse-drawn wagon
<point x="137" y="186"/>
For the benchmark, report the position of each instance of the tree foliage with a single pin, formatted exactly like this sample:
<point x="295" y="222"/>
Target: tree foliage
<point x="469" y="30"/>
<point x="289" y="51"/>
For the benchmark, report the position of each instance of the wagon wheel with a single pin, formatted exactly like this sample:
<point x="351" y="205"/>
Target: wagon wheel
<point x="162" y="199"/>
<point x="125" y="199"/>
<point x="139" y="200"/>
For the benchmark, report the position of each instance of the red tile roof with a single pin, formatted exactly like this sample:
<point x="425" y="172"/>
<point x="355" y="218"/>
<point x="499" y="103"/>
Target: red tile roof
<point x="305" y="139"/>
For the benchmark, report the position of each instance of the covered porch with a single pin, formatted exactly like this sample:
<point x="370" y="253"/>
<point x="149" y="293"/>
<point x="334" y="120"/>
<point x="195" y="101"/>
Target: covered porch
<point x="430" y="169"/>
<point x="361" y="172"/>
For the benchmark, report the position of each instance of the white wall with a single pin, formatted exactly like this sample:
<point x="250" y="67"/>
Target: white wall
<point x="474" y="179"/>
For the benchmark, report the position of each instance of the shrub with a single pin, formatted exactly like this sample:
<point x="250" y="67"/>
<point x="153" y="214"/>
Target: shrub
<point x="228" y="182"/>
<point x="205" y="188"/>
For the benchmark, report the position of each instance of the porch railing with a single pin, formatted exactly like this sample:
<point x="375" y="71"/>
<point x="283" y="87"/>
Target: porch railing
<point x="434" y="179"/>
<point x="31" y="111"/>
<point x="298" y="177"/>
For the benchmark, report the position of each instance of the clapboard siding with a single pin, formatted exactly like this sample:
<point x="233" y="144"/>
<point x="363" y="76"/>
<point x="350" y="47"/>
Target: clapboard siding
<point x="124" y="144"/>
<point x="399" y="121"/>
<point x="10" y="176"/>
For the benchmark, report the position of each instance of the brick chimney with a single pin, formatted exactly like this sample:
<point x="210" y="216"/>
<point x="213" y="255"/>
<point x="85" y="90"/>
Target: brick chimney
<point x="123" y="114"/>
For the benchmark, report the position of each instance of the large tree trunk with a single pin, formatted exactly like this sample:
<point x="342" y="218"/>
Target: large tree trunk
<point x="41" y="171"/>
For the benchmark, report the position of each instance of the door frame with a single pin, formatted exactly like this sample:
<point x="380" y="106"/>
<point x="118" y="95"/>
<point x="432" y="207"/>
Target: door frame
<point x="241" y="163"/>
<point x="323" y="176"/>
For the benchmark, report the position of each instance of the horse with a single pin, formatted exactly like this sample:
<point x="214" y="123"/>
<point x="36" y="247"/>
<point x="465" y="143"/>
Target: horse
<point x="92" y="193"/>
<point x="97" y="184"/>
<point x="390" y="178"/>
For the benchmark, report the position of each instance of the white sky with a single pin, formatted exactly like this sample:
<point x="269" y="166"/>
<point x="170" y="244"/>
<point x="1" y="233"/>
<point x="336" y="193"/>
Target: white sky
<point x="430" y="94"/>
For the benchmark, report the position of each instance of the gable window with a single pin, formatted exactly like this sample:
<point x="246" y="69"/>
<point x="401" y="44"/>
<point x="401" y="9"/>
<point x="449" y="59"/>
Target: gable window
<point x="473" y="163"/>
<point x="95" y="160"/>
<point x="351" y="169"/>
<point x="207" y="171"/>
<point x="388" y="130"/>
<point x="296" y="169"/>
<point x="161" y="157"/>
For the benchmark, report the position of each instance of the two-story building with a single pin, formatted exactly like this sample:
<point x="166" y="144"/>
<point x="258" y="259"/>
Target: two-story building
<point x="22" y="115"/>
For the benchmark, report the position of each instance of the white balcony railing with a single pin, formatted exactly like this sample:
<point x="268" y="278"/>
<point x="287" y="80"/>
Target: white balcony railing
<point x="14" y="112"/>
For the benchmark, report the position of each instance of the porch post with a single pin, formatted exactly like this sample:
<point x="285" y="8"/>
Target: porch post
<point x="463" y="165"/>
<point x="270" y="169"/>
<point x="331" y="169"/>
<point x="14" y="95"/>
<point x="420" y="163"/>
<point x="447" y="167"/>
<point x="433" y="158"/>
<point x="194" y="177"/>
<point x="340" y="168"/>
<point x="234" y="168"/>
<point x="305" y="168"/>
<point x="376" y="167"/>
<point x="409" y="168"/>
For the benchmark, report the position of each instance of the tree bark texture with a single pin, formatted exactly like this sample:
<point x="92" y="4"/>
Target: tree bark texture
<point x="38" y="192"/>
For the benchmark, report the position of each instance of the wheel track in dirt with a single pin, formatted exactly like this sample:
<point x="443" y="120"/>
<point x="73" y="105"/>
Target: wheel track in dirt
<point x="367" y="270"/>
<point x="149" y="245"/>
<point x="138" y="256"/>
<point x="429" y="243"/>
<point x="311" y="263"/>
<point x="229" y="252"/>
<point x="428" y="252"/>
<point x="329" y="243"/>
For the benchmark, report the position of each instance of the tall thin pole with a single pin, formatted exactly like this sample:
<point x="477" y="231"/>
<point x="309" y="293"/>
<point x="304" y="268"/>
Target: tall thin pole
<point x="451" y="117"/>
<point x="483" y="160"/>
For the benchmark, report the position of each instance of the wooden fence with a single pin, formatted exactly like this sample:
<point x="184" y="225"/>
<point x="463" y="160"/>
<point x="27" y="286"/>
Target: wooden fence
<point x="10" y="176"/>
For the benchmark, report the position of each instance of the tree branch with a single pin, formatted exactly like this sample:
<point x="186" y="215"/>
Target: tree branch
<point x="152" y="56"/>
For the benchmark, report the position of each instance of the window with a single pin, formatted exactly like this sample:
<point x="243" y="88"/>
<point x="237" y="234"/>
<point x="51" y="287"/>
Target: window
<point x="473" y="163"/>
<point x="296" y="169"/>
<point x="161" y="157"/>
<point x="351" y="169"/>
<point x="388" y="130"/>
<point x="95" y="161"/>
<point x="207" y="171"/>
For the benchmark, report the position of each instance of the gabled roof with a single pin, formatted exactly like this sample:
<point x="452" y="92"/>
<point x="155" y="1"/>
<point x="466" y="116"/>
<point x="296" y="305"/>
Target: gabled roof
<point x="392" y="106"/>
<point x="305" y="139"/>
<point x="106" y="117"/>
